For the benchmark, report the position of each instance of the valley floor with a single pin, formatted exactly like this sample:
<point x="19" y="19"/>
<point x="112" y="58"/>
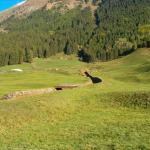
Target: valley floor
<point x="113" y="115"/>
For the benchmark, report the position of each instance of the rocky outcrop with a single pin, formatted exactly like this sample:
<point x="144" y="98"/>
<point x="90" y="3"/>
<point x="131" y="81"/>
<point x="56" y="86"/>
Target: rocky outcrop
<point x="62" y="6"/>
<point x="65" y="5"/>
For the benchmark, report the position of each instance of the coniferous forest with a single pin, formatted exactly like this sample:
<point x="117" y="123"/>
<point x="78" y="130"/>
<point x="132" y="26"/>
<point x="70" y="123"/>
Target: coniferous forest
<point x="116" y="28"/>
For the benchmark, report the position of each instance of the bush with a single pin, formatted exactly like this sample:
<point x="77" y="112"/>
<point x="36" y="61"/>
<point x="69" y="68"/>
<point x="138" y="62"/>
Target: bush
<point x="132" y="99"/>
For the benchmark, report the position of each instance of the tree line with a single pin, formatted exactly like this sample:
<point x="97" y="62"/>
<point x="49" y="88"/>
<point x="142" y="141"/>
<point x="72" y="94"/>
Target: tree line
<point x="116" y="29"/>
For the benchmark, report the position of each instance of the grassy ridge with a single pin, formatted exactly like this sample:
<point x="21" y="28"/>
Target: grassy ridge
<point x="97" y="117"/>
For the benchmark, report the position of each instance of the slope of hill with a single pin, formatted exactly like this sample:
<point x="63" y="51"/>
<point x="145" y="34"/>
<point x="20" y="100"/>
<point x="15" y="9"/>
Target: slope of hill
<point x="26" y="8"/>
<point x="33" y="5"/>
<point x="107" y="116"/>
<point x="115" y="29"/>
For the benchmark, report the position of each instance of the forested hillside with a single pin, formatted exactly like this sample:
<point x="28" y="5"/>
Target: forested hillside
<point x="114" y="29"/>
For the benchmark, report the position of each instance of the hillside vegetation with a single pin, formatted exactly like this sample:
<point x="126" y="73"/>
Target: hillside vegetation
<point x="115" y="28"/>
<point x="113" y="115"/>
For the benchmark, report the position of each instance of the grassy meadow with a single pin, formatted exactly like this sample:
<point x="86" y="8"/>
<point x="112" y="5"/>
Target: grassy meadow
<point x="113" y="115"/>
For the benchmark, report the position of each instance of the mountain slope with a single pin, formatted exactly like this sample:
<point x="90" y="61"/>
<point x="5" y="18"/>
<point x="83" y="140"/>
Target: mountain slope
<point x="113" y="31"/>
<point x="26" y="8"/>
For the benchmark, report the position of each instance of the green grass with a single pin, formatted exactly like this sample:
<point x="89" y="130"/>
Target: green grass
<point x="108" y="116"/>
<point x="42" y="73"/>
<point x="144" y="29"/>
